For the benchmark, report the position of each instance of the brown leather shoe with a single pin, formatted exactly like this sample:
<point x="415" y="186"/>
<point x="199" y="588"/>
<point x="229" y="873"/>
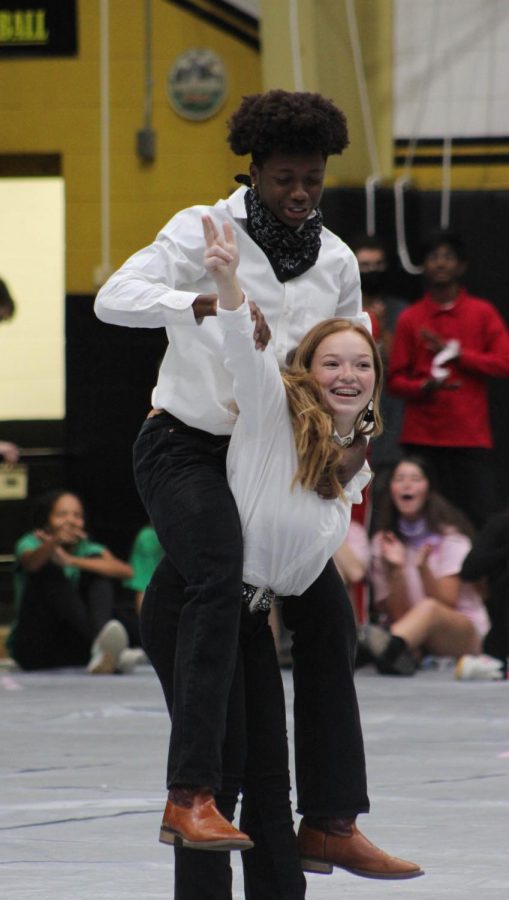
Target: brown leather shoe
<point x="200" y="826"/>
<point x="321" y="850"/>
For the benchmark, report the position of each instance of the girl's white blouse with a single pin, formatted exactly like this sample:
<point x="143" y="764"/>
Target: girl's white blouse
<point x="289" y="533"/>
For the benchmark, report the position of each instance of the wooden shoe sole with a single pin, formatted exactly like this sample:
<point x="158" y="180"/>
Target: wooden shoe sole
<point x="321" y="867"/>
<point x="168" y="836"/>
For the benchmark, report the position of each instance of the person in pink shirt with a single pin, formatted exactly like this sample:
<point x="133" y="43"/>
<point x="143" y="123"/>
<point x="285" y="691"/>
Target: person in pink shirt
<point x="417" y="557"/>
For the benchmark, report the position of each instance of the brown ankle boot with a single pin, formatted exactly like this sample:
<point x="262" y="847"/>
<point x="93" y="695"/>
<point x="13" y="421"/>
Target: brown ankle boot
<point x="325" y="843"/>
<point x="192" y="819"/>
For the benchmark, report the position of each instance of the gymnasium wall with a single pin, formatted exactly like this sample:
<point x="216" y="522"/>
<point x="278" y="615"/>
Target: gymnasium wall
<point x="448" y="60"/>
<point x="52" y="106"/>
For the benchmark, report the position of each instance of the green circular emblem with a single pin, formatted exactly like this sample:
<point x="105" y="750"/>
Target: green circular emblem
<point x="196" y="84"/>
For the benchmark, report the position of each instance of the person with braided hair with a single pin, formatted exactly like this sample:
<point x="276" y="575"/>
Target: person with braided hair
<point x="295" y="273"/>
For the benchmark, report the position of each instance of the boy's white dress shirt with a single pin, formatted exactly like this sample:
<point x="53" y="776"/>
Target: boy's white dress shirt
<point x="157" y="286"/>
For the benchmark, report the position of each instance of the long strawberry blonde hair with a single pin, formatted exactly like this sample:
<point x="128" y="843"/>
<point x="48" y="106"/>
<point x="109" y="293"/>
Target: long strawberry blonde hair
<point x="319" y="457"/>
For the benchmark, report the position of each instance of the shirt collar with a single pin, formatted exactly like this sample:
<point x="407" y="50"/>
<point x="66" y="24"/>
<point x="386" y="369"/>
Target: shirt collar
<point x="236" y="203"/>
<point x="437" y="308"/>
<point x="346" y="440"/>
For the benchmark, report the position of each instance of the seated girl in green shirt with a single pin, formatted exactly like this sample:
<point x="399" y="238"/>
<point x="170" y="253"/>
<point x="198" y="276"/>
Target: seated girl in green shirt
<point x="64" y="593"/>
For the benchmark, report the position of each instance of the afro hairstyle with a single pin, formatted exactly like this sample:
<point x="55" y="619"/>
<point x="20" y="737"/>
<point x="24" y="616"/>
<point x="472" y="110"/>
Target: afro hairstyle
<point x="289" y="122"/>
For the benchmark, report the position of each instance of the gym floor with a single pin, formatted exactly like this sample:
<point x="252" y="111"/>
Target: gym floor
<point x="82" y="765"/>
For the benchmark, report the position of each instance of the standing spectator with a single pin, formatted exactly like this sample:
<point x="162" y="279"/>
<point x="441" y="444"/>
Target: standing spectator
<point x="445" y="347"/>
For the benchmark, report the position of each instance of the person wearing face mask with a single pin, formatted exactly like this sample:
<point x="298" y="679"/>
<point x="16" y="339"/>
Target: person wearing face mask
<point x="298" y="274"/>
<point x="384" y="311"/>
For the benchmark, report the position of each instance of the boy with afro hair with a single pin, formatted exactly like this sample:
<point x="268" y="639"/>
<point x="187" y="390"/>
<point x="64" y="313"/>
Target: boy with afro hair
<point x="294" y="273"/>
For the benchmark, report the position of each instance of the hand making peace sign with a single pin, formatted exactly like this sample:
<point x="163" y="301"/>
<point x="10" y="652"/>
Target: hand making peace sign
<point x="221" y="256"/>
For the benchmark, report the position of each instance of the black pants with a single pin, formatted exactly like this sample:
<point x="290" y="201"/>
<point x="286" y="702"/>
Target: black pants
<point x="58" y="619"/>
<point x="466" y="477"/>
<point x="181" y="477"/>
<point x="254" y="754"/>
<point x="496" y="642"/>
<point x="329" y="749"/>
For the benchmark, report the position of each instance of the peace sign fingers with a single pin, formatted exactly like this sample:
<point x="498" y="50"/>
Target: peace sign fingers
<point x="210" y="232"/>
<point x="221" y="255"/>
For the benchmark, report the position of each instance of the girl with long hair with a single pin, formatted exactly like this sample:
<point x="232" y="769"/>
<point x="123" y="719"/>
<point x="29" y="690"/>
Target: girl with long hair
<point x="287" y="443"/>
<point x="417" y="559"/>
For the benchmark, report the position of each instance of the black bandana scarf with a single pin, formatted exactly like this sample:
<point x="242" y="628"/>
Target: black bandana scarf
<point x="289" y="251"/>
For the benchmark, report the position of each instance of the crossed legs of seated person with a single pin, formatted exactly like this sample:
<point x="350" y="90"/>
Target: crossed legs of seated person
<point x="255" y="760"/>
<point x="58" y="619"/>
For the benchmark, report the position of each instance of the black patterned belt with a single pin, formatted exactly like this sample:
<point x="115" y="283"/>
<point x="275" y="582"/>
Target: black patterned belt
<point x="259" y="599"/>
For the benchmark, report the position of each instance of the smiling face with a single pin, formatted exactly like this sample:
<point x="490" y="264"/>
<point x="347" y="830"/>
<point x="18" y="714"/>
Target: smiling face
<point x="290" y="186"/>
<point x="409" y="489"/>
<point x="66" y="511"/>
<point x="344" y="367"/>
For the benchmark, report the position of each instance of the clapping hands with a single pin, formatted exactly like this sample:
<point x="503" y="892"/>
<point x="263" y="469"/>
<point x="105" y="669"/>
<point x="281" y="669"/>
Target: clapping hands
<point x="422" y="554"/>
<point x="393" y="550"/>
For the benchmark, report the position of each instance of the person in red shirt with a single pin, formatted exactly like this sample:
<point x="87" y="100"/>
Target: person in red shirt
<point x="445" y="347"/>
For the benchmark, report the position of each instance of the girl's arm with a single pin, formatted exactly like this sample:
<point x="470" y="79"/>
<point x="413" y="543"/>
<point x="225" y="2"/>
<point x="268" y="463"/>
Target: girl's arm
<point x="106" y="564"/>
<point x="33" y="560"/>
<point x="350" y="567"/>
<point x="221" y="259"/>
<point x="257" y="385"/>
<point x="396" y="600"/>
<point x="445" y="589"/>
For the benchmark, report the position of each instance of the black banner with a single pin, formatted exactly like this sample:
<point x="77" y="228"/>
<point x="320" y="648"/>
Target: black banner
<point x="30" y="28"/>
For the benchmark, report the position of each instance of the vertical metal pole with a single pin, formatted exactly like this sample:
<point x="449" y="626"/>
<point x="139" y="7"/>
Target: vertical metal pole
<point x="104" y="74"/>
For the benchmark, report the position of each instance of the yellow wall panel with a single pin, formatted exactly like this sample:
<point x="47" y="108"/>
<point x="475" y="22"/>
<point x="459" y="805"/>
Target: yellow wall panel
<point x="32" y="355"/>
<point x="53" y="106"/>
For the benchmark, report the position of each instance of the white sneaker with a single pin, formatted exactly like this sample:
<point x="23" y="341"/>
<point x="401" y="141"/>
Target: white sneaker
<point x="478" y="668"/>
<point x="130" y="658"/>
<point x="107" y="648"/>
<point x="374" y="639"/>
